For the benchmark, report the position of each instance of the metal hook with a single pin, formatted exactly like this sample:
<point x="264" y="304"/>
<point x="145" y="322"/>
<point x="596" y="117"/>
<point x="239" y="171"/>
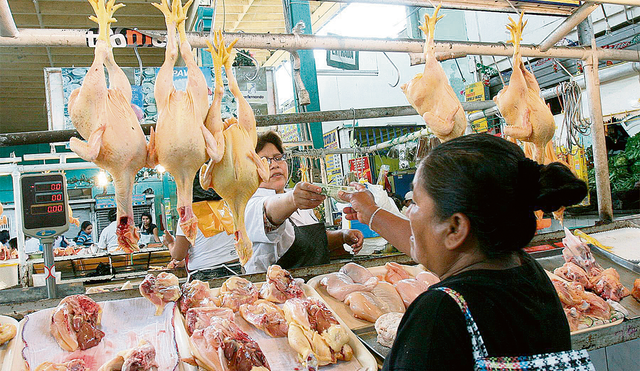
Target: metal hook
<point x="397" y="71"/>
<point x="255" y="62"/>
<point x="135" y="50"/>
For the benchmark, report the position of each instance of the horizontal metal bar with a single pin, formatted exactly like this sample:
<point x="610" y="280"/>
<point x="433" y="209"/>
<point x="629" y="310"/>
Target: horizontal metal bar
<point x="569" y="24"/>
<point x="37" y="137"/>
<point x="60" y="37"/>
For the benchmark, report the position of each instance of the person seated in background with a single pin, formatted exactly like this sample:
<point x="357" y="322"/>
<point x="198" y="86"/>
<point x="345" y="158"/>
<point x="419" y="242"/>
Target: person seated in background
<point x="84" y="235"/>
<point x="62" y="242"/>
<point x="148" y="230"/>
<point x="108" y="240"/>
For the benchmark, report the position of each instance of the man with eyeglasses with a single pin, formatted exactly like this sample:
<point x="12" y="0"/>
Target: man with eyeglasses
<point x="281" y="224"/>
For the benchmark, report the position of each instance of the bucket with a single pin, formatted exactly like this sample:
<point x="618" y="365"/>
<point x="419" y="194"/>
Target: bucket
<point x="8" y="274"/>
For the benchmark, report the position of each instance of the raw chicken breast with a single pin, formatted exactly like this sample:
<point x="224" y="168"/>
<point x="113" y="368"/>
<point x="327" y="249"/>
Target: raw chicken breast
<point x="237" y="291"/>
<point x="365" y="305"/>
<point x="409" y="289"/>
<point x="395" y="273"/>
<point x="339" y="285"/>
<point x="356" y="272"/>
<point x="428" y="278"/>
<point x="386" y="293"/>
<point x="266" y="316"/>
<point x="199" y="318"/>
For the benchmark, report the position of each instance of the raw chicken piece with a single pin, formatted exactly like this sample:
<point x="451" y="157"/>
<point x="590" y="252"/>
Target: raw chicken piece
<point x="140" y="358"/>
<point x="573" y="296"/>
<point x="430" y="93"/>
<point x="597" y="306"/>
<point x="608" y="285"/>
<point x="7" y="332"/>
<point x="237" y="291"/>
<point x="72" y="220"/>
<point x="409" y="289"/>
<point x="3" y="218"/>
<point x="395" y="273"/>
<point x="573" y="317"/>
<point x="266" y="316"/>
<point x="339" y="285"/>
<point x="365" y="305"/>
<point x="73" y="365"/>
<point x="577" y="252"/>
<point x="281" y="285"/>
<point x="428" y="278"/>
<point x="196" y="294"/>
<point x="385" y="292"/>
<point x="356" y="272"/>
<point x="238" y="173"/>
<point x="181" y="143"/>
<point x="104" y="118"/>
<point x="223" y="346"/>
<point x="528" y="117"/>
<point x="160" y="290"/>
<point x="387" y="328"/>
<point x="315" y="333"/>
<point x="636" y="289"/>
<point x="199" y="318"/>
<point x="572" y="272"/>
<point x="75" y="321"/>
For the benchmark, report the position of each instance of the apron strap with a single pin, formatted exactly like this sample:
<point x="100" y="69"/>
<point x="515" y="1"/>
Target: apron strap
<point x="477" y="343"/>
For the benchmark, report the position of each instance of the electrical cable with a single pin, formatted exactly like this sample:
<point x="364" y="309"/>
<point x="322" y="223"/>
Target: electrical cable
<point x="573" y="127"/>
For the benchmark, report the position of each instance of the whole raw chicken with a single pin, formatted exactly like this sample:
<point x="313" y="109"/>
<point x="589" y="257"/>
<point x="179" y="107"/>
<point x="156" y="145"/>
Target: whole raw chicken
<point x="430" y="93"/>
<point x="528" y="117"/>
<point x="179" y="143"/>
<point x="160" y="290"/>
<point x="237" y="175"/>
<point x="105" y="118"/>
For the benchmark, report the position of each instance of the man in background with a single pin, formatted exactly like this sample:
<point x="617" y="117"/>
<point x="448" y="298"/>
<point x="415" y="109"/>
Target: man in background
<point x="108" y="240"/>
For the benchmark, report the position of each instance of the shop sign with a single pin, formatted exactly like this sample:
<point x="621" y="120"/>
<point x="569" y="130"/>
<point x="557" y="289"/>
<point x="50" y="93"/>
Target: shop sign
<point x="474" y="93"/>
<point x="360" y="166"/>
<point x="344" y="59"/>
<point x="105" y="201"/>
<point x="333" y="163"/>
<point x="124" y="37"/>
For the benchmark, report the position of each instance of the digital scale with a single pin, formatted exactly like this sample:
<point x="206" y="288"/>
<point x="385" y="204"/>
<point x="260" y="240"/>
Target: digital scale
<point x="45" y="215"/>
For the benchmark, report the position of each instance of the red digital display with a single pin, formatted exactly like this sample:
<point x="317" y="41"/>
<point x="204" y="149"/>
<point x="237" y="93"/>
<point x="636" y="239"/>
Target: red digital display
<point x="48" y="186"/>
<point x="47" y="209"/>
<point x="43" y="198"/>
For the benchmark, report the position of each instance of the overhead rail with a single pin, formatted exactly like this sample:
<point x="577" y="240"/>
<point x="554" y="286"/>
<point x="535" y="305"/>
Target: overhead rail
<point x="569" y="24"/>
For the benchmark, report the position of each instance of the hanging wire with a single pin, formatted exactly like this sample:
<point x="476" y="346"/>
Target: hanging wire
<point x="397" y="71"/>
<point x="459" y="70"/>
<point x="514" y="8"/>
<point x="135" y="50"/>
<point x="498" y="68"/>
<point x="573" y="127"/>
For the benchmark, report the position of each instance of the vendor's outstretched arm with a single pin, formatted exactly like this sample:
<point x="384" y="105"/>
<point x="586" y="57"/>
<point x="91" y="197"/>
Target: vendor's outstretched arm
<point x="391" y="227"/>
<point x="279" y="207"/>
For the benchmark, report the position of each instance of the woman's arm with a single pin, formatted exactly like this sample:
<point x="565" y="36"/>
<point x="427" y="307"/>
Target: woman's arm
<point x="156" y="238"/>
<point x="304" y="196"/>
<point x="178" y="247"/>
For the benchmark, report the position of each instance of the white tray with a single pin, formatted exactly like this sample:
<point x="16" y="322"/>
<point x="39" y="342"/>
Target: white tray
<point x="625" y="242"/>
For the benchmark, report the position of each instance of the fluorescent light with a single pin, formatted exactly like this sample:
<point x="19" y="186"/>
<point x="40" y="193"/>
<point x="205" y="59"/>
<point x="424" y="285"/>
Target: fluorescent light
<point x="102" y="179"/>
<point x="160" y="169"/>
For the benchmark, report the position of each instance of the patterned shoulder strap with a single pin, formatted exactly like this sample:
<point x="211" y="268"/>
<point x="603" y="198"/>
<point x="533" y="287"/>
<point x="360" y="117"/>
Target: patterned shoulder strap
<point x="477" y="344"/>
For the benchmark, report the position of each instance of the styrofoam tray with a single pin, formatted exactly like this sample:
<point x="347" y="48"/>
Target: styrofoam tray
<point x="625" y="242"/>
<point x="279" y="353"/>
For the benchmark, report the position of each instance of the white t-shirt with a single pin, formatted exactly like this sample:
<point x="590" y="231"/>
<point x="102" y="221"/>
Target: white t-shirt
<point x="207" y="252"/>
<point x="269" y="247"/>
<point x="108" y="239"/>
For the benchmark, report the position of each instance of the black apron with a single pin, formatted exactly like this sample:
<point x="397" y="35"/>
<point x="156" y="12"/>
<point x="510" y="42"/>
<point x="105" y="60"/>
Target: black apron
<point x="310" y="247"/>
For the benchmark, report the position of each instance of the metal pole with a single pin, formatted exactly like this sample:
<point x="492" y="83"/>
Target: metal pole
<point x="600" y="161"/>
<point x="7" y="25"/>
<point x="17" y="207"/>
<point x="572" y="21"/>
<point x="49" y="267"/>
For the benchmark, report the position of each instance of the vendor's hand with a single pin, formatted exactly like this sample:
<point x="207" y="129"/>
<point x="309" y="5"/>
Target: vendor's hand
<point x="353" y="238"/>
<point x="307" y="196"/>
<point x="168" y="239"/>
<point x="362" y="204"/>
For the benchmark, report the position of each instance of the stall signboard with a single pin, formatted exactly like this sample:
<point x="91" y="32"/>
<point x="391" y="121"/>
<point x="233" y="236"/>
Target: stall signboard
<point x="125" y="37"/>
<point x="360" y="166"/>
<point x="333" y="162"/>
<point x="62" y="81"/>
<point x="474" y="93"/>
<point x="344" y="59"/>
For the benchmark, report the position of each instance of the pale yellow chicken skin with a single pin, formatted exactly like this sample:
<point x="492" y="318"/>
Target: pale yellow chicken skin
<point x="528" y="117"/>
<point x="430" y="93"/>
<point x="178" y="143"/>
<point x="238" y="173"/>
<point x="105" y="117"/>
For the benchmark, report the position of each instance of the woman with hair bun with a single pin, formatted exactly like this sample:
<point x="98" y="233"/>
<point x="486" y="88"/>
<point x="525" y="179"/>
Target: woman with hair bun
<point x="473" y="212"/>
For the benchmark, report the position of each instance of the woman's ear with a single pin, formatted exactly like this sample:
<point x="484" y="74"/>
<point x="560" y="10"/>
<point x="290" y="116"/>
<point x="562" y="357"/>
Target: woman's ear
<point x="458" y="230"/>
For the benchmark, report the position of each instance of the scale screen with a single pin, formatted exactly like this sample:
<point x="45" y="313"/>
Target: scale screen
<point x="44" y="204"/>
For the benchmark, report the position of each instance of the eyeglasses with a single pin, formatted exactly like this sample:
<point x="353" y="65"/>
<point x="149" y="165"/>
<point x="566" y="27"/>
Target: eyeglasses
<point x="278" y="158"/>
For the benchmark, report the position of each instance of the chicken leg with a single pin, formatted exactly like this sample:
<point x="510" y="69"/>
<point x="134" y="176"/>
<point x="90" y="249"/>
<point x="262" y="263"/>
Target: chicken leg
<point x="116" y="142"/>
<point x="528" y="118"/>
<point x="237" y="175"/>
<point x="179" y="144"/>
<point x="430" y="93"/>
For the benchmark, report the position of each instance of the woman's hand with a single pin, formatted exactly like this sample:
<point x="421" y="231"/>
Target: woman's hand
<point x="353" y="238"/>
<point x="307" y="196"/>
<point x="362" y="204"/>
<point x="168" y="239"/>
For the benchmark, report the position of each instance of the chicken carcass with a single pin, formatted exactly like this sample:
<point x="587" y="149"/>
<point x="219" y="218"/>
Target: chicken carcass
<point x="608" y="285"/>
<point x="160" y="290"/>
<point x="199" y="318"/>
<point x="315" y="333"/>
<point x="140" y="358"/>
<point x="237" y="175"/>
<point x="266" y="316"/>
<point x="430" y="93"/>
<point x="75" y="321"/>
<point x="281" y="285"/>
<point x="573" y="273"/>
<point x="181" y="143"/>
<point x="103" y="116"/>
<point x="409" y="289"/>
<point x="196" y="294"/>
<point x="339" y="285"/>
<point x="223" y="346"/>
<point x="236" y="291"/>
<point x="528" y="117"/>
<point x="73" y="365"/>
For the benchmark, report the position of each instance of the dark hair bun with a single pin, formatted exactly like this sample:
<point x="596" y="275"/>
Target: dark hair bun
<point x="559" y="187"/>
